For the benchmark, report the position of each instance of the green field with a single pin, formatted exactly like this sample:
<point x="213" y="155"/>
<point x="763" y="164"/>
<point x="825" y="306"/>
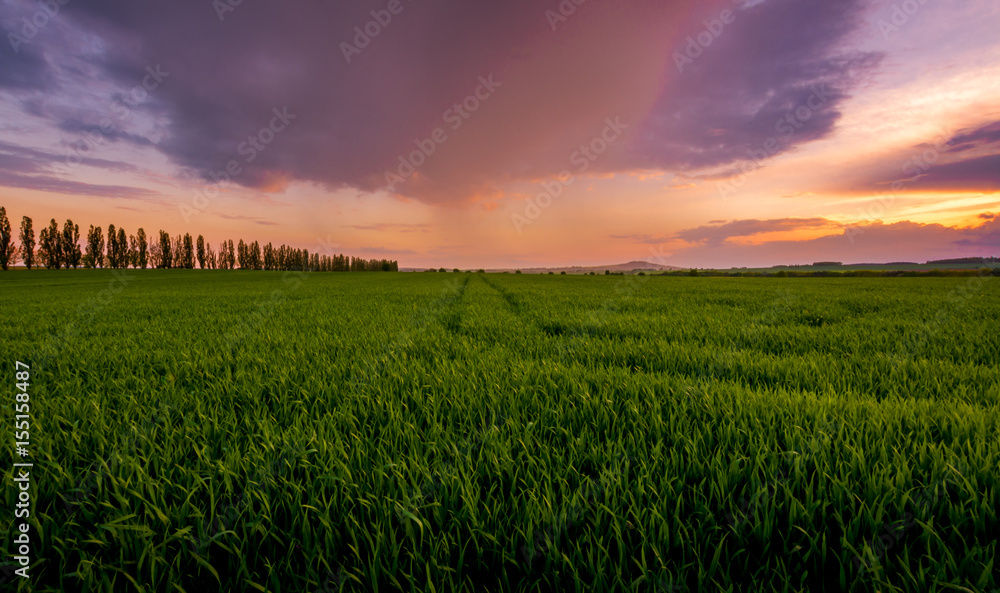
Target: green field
<point x="238" y="431"/>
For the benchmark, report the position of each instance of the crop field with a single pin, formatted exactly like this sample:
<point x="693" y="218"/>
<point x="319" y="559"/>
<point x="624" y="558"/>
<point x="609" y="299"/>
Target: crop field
<point x="239" y="431"/>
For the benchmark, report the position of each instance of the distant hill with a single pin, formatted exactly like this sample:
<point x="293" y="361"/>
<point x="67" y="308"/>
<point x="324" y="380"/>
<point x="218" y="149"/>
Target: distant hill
<point x="965" y="263"/>
<point x="632" y="266"/>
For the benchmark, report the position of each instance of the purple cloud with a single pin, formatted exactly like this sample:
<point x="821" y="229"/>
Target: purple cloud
<point x="982" y="136"/>
<point x="772" y="80"/>
<point x="715" y="234"/>
<point x="65" y="186"/>
<point x="878" y="242"/>
<point x="252" y="219"/>
<point x="355" y="118"/>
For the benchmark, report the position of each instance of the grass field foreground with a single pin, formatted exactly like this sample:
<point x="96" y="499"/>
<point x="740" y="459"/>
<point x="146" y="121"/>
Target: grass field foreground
<point x="203" y="430"/>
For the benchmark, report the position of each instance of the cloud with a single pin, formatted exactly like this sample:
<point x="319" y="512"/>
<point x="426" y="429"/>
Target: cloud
<point x="64" y="186"/>
<point x="969" y="140"/>
<point x="985" y="235"/>
<point x="980" y="173"/>
<point x="19" y="159"/>
<point x="381" y="251"/>
<point x="644" y="238"/>
<point x="967" y="160"/>
<point x="732" y="103"/>
<point x="39" y="170"/>
<point x="24" y="71"/>
<point x="81" y="129"/>
<point x="252" y="219"/>
<point x="391" y="227"/>
<point x="715" y="234"/>
<point x="354" y="120"/>
<point x="878" y="242"/>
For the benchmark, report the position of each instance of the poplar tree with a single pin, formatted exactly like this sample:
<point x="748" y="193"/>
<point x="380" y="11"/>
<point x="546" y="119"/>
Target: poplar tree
<point x="133" y="251"/>
<point x="7" y="247"/>
<point x="95" y="247"/>
<point x="71" y="254"/>
<point x="177" y="251"/>
<point x="122" y="245"/>
<point x="165" y="256"/>
<point x="112" y="254"/>
<point x="269" y="257"/>
<point x="142" y="255"/>
<point x="256" y="261"/>
<point x="241" y="255"/>
<point x="50" y="245"/>
<point x="27" y="242"/>
<point x="201" y="252"/>
<point x="188" y="251"/>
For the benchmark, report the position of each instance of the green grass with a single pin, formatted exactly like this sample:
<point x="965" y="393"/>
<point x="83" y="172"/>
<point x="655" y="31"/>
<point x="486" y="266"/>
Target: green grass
<point x="199" y="431"/>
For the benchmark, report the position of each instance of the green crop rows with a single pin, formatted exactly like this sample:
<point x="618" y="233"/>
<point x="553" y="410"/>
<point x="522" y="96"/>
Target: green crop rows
<point x="201" y="430"/>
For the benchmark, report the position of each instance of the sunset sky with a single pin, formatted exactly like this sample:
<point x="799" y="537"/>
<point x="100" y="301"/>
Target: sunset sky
<point x="517" y="133"/>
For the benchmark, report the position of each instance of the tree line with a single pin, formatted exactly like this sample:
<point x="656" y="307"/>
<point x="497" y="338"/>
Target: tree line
<point x="60" y="248"/>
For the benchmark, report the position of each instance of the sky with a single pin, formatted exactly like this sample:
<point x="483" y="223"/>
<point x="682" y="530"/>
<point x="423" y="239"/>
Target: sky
<point x="449" y="133"/>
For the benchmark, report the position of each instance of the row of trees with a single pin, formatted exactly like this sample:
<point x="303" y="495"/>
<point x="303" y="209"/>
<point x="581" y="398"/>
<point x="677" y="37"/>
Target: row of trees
<point x="57" y="248"/>
<point x="61" y="248"/>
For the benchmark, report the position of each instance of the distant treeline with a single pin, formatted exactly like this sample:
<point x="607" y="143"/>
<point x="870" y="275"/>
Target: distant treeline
<point x="60" y="248"/>
<point x="994" y="270"/>
<point x="966" y="260"/>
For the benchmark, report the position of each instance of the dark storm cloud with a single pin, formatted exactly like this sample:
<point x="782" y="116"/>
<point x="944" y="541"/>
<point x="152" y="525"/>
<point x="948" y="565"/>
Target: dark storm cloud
<point x="229" y="71"/>
<point x="24" y="71"/>
<point x="773" y="79"/>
